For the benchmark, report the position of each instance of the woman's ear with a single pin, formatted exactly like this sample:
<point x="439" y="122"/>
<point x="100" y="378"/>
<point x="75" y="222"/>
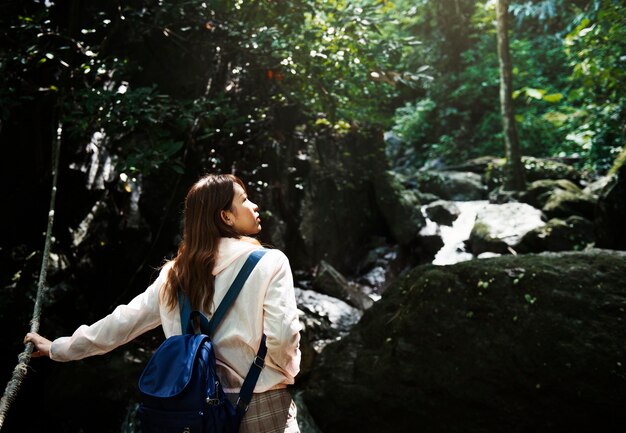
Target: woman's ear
<point x="224" y="215"/>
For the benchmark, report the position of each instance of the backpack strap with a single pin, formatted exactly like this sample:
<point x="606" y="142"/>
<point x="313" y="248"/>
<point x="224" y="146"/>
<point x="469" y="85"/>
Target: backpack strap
<point x="185" y="311"/>
<point x="208" y="327"/>
<point x="234" y="290"/>
<point x="247" y="388"/>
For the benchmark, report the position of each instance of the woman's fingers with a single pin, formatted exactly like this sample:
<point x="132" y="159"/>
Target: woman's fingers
<point x="28" y="337"/>
<point x="42" y="345"/>
<point x="31" y="337"/>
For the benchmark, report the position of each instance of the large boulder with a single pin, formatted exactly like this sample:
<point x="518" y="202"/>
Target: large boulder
<point x="400" y="206"/>
<point x="378" y="269"/>
<point x="611" y="210"/>
<point x="340" y="211"/>
<point x="528" y="343"/>
<point x="561" y="204"/>
<point x="559" y="198"/>
<point x="573" y="233"/>
<point x="452" y="185"/>
<point x="538" y="192"/>
<point x="324" y="319"/>
<point x="478" y="165"/>
<point x="499" y="227"/>
<point x="534" y="169"/>
<point x="331" y="282"/>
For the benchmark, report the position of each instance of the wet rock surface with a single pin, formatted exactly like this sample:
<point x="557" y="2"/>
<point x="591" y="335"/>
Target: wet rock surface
<point x="324" y="319"/>
<point x="331" y="282"/>
<point x="500" y="226"/>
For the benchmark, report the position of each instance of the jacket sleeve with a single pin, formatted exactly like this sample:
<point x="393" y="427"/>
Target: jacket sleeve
<point x="281" y="323"/>
<point x="125" y="323"/>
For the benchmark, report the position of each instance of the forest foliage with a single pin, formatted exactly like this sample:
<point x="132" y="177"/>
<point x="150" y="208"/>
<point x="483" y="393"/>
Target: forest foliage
<point x="228" y="81"/>
<point x="568" y="59"/>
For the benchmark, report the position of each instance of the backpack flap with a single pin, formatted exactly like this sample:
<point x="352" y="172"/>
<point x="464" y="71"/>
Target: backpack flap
<point x="169" y="370"/>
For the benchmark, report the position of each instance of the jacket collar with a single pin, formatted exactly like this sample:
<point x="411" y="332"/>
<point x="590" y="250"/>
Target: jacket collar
<point x="231" y="249"/>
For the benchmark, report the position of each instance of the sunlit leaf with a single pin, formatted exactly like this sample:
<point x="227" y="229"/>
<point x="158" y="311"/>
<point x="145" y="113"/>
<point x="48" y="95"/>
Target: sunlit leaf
<point x="553" y="97"/>
<point x="535" y="93"/>
<point x="556" y="117"/>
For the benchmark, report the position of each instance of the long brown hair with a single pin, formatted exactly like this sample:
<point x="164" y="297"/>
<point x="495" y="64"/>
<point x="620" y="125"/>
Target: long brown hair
<point x="191" y="272"/>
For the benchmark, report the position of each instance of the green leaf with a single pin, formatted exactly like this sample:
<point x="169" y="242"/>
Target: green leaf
<point x="171" y="147"/>
<point x="535" y="93"/>
<point x="553" y="97"/>
<point x="556" y="118"/>
<point x="530" y="299"/>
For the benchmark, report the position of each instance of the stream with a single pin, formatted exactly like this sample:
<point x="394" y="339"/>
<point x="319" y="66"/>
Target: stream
<point x="454" y="236"/>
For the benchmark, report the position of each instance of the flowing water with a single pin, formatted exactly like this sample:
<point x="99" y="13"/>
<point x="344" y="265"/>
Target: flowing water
<point x="453" y="237"/>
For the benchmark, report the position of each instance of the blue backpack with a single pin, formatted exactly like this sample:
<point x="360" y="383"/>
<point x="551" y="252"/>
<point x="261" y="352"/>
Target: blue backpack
<point x="179" y="387"/>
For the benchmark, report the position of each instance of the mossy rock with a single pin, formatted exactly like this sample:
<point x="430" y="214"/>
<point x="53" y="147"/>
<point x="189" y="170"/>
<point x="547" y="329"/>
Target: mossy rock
<point x="480" y="241"/>
<point x="477" y="165"/>
<point x="562" y="204"/>
<point x="339" y="212"/>
<point x="534" y="169"/>
<point x="538" y="192"/>
<point x="400" y="206"/>
<point x="573" y="233"/>
<point x="611" y="212"/>
<point x="451" y="185"/>
<point x="527" y="343"/>
<point x="331" y="282"/>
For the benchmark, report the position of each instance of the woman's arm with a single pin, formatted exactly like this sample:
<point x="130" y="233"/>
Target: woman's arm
<point x="281" y="323"/>
<point x="125" y="323"/>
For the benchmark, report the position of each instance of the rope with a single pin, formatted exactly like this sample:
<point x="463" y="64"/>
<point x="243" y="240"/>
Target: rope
<point x="20" y="370"/>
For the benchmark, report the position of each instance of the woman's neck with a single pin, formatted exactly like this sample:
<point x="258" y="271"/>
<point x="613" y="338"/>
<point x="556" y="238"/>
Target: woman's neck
<point x="250" y="240"/>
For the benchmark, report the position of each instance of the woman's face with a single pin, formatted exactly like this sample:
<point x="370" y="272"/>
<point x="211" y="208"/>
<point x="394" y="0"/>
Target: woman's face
<point x="243" y="216"/>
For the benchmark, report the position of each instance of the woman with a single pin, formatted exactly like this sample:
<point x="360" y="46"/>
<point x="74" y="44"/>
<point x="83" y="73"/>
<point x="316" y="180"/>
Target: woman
<point x="218" y="219"/>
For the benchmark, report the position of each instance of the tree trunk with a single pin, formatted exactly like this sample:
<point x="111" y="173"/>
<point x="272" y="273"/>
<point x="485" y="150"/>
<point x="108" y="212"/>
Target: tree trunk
<point x="514" y="169"/>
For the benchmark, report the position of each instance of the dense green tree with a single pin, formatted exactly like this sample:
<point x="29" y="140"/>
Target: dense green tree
<point x="160" y="78"/>
<point x="596" y="110"/>
<point x="556" y="75"/>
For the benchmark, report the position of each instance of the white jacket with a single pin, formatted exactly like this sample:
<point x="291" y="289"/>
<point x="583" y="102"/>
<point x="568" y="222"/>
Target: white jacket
<point x="266" y="304"/>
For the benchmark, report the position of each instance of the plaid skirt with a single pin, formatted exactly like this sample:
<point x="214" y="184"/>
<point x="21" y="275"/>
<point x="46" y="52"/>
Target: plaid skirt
<point x="269" y="412"/>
